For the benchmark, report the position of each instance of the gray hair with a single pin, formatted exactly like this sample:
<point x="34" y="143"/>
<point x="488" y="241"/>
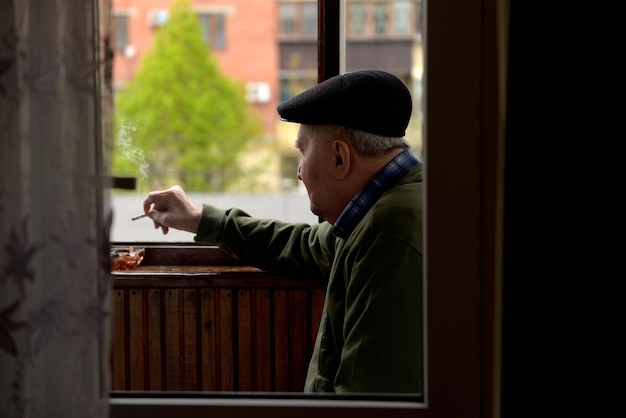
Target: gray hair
<point x="365" y="143"/>
<point x="371" y="145"/>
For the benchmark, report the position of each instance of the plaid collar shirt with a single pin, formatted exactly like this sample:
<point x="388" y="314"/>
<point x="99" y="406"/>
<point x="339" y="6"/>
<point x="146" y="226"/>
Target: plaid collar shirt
<point x="365" y="199"/>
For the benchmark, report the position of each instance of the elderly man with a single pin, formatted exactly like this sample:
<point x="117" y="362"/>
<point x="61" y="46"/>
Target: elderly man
<point x="366" y="185"/>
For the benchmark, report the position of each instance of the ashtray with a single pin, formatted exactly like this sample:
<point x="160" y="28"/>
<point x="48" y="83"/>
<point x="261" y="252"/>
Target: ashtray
<point x="126" y="259"/>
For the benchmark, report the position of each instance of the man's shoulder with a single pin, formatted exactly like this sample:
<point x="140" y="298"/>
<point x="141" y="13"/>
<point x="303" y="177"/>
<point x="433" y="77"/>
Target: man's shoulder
<point x="396" y="215"/>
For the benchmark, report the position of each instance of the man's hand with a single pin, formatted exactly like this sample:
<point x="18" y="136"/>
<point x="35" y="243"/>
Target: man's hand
<point x="172" y="208"/>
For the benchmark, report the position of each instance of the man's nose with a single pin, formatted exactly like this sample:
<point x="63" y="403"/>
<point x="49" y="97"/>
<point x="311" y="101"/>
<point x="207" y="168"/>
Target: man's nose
<point x="300" y="171"/>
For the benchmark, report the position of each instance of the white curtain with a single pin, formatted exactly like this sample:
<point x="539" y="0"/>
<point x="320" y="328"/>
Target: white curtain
<point x="55" y="129"/>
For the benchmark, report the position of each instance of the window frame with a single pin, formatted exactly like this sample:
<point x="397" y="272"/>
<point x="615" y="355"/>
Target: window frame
<point x="127" y="13"/>
<point x="368" y="26"/>
<point x="121" y="42"/>
<point x="216" y="16"/>
<point x="299" y="20"/>
<point x="213" y="25"/>
<point x="462" y="230"/>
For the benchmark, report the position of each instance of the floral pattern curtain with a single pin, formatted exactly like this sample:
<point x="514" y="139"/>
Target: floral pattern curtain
<point x="55" y="133"/>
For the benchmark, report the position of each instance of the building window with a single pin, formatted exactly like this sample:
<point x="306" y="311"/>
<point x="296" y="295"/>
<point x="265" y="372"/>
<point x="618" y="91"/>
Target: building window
<point x="401" y="17"/>
<point x="309" y="19"/>
<point x="298" y="19"/>
<point x="121" y="32"/>
<point x="381" y="18"/>
<point x="357" y="18"/>
<point x="287" y="12"/>
<point x="213" y="26"/>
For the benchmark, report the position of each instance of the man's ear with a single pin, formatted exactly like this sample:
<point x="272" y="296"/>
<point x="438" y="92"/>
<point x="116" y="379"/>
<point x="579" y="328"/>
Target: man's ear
<point x="342" y="159"/>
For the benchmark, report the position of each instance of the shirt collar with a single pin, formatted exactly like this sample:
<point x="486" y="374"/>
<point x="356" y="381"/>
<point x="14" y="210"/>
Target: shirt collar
<point x="365" y="199"/>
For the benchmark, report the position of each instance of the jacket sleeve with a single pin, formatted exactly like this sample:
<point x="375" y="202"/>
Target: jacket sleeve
<point x="272" y="245"/>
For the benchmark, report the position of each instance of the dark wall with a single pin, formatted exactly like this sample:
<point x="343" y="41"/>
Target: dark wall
<point x="555" y="355"/>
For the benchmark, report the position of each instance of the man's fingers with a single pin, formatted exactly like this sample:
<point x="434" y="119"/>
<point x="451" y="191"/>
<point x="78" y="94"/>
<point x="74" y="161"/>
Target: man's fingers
<point x="158" y="225"/>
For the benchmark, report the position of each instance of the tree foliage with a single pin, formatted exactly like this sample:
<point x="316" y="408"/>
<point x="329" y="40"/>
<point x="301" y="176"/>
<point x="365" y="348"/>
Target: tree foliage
<point x="180" y="120"/>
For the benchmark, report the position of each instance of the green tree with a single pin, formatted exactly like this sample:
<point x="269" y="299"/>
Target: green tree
<point x="180" y="120"/>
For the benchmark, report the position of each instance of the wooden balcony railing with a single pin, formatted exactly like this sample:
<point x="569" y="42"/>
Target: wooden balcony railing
<point x="194" y="318"/>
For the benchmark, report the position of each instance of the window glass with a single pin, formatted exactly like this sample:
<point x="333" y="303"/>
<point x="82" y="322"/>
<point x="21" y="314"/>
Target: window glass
<point x="287" y="12"/>
<point x="371" y="43"/>
<point x="309" y="19"/>
<point x="171" y="137"/>
<point x="220" y="35"/>
<point x="205" y="25"/>
<point x="121" y="32"/>
<point x="380" y="18"/>
<point x="213" y="29"/>
<point x="356" y="18"/>
<point x="402" y="14"/>
<point x="266" y="164"/>
<point x="166" y="133"/>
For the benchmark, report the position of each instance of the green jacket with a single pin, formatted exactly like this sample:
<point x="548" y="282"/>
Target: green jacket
<point x="370" y="338"/>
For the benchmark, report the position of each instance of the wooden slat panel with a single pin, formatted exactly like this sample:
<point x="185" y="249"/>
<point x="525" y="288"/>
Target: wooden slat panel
<point x="299" y="331"/>
<point x="138" y="349"/>
<point x="262" y="359"/>
<point x="226" y="347"/>
<point x="119" y="346"/>
<point x="195" y="334"/>
<point x="154" y="353"/>
<point x="244" y="340"/>
<point x="208" y="352"/>
<point x="190" y="365"/>
<point x="172" y="339"/>
<point x="281" y="341"/>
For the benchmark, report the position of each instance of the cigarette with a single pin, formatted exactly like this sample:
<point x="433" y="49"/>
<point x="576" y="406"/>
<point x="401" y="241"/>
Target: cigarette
<point x="143" y="215"/>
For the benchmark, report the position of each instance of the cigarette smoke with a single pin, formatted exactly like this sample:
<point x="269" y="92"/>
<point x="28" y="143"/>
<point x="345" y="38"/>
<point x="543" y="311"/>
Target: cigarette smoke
<point x="129" y="152"/>
<point x="135" y="155"/>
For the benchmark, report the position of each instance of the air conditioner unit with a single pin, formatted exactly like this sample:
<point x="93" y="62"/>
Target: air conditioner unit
<point x="157" y="17"/>
<point x="258" y="92"/>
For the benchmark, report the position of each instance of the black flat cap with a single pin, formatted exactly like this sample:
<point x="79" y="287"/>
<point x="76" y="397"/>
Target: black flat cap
<point x="370" y="100"/>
